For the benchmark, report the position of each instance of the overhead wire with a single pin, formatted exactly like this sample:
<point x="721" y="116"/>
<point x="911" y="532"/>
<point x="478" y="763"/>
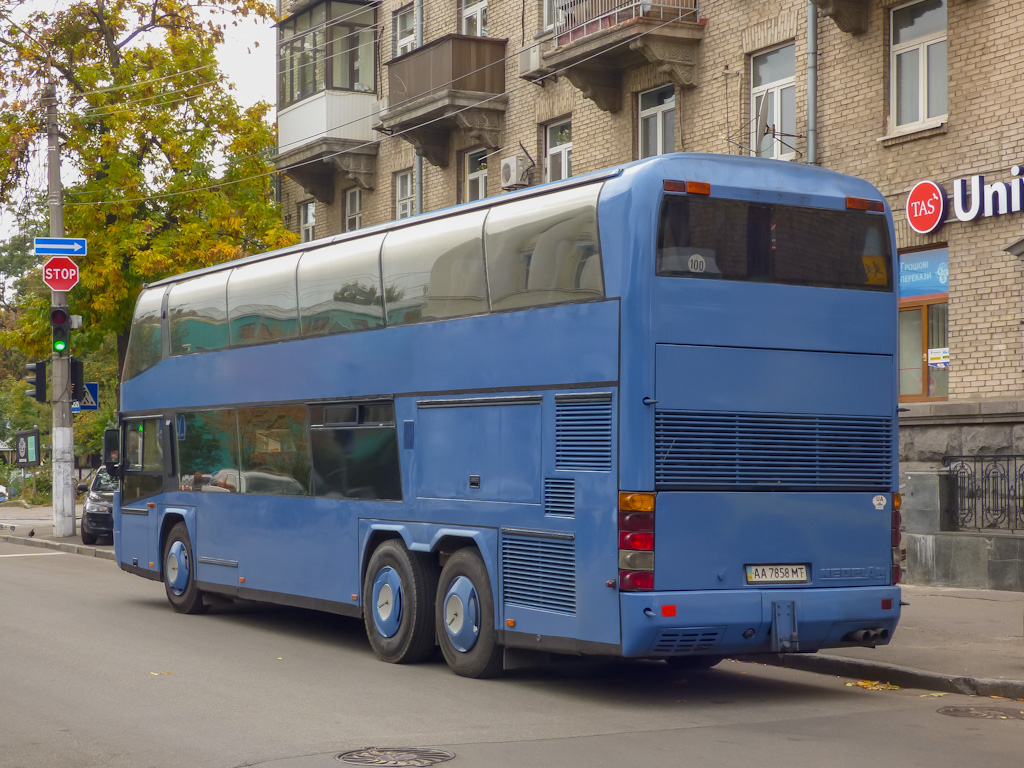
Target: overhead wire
<point x="364" y="145"/>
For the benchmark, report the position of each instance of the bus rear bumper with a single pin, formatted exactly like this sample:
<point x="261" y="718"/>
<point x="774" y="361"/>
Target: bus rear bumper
<point x="735" y="622"/>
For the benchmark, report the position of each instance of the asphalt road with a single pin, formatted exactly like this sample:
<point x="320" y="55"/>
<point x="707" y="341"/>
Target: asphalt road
<point x="97" y="670"/>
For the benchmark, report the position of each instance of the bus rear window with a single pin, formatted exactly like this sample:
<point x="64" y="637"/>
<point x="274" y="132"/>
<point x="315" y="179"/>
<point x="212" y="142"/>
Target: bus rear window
<point x="735" y="240"/>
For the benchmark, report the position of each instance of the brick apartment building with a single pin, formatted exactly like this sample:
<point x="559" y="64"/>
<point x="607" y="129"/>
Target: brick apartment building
<point x="389" y="108"/>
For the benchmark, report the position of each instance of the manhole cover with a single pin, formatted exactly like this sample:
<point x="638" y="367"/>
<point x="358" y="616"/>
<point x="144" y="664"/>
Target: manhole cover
<point x="990" y="713"/>
<point x="413" y="756"/>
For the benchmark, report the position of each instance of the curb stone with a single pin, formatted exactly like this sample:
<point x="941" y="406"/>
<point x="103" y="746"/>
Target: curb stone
<point x="74" y="549"/>
<point x="905" y="677"/>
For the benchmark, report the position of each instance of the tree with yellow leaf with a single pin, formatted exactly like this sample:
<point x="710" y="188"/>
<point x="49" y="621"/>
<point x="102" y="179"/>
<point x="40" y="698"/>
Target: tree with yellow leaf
<point x="164" y="172"/>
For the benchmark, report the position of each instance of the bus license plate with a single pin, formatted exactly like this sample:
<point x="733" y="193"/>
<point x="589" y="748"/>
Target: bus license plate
<point x="776" y="574"/>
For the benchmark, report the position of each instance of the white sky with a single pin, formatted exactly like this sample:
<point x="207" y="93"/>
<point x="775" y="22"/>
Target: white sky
<point x="249" y="67"/>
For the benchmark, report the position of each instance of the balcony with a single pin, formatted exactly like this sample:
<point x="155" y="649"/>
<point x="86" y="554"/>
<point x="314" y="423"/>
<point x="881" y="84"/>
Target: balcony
<point x="453" y="83"/>
<point x="327" y="134"/>
<point x="595" y="40"/>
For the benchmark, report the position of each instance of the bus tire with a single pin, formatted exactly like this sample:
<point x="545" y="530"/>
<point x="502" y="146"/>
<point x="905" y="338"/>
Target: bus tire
<point x="464" y="615"/>
<point x="179" y="572"/>
<point x="398" y="592"/>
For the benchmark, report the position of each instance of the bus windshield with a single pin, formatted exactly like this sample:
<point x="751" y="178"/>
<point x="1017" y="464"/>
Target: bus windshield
<point x="756" y="242"/>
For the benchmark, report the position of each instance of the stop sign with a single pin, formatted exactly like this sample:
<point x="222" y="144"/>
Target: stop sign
<point x="60" y="273"/>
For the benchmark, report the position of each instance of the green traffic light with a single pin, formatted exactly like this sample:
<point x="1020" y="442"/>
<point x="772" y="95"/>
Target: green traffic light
<point x="59" y="345"/>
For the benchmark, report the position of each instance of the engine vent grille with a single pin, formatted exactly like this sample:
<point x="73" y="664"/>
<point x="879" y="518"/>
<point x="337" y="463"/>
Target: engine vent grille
<point x="769" y="451"/>
<point x="583" y="433"/>
<point x="559" y="496"/>
<point x="539" y="573"/>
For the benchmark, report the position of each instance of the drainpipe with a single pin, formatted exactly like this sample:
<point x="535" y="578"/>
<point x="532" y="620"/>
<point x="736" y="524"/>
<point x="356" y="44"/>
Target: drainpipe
<point x="419" y="158"/>
<point x="812" y="83"/>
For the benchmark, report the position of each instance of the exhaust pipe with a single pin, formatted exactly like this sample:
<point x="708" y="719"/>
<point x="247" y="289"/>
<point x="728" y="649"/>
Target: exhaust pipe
<point x="869" y="637"/>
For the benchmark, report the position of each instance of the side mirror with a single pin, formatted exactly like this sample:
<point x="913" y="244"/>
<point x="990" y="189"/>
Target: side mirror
<point x="83" y="487"/>
<point x="112" y="451"/>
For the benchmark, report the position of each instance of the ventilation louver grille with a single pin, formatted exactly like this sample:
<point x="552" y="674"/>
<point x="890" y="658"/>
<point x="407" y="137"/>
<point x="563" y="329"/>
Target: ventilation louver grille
<point x="583" y="433"/>
<point x="689" y="640"/>
<point x="559" y="496"/>
<point x="762" y="451"/>
<point x="539" y="573"/>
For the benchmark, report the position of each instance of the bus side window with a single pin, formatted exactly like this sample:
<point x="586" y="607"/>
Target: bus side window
<point x="208" y="452"/>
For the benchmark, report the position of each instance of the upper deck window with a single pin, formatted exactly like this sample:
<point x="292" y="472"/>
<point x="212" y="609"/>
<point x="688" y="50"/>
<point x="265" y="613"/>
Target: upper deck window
<point x="544" y="250"/>
<point x="736" y="240"/>
<point x="144" y="345"/>
<point x="199" y="314"/>
<point x="435" y="270"/>
<point x="339" y="287"/>
<point x="261" y="301"/>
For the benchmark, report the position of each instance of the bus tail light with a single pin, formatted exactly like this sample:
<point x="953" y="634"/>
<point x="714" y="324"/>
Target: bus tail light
<point x="689" y="187"/>
<point x="863" y="204"/>
<point x="897" y="539"/>
<point x="636" y="541"/>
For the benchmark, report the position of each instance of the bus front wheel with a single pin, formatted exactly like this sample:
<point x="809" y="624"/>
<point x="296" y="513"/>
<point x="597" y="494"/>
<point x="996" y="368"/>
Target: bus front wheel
<point x="179" y="572"/>
<point x="464" y="615"/>
<point x="398" y="591"/>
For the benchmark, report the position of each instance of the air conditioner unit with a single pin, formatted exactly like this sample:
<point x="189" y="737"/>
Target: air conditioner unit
<point x="531" y="67"/>
<point x="514" y="173"/>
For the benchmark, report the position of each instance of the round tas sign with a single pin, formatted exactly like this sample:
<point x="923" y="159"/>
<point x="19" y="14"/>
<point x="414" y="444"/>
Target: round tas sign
<point x="60" y="274"/>
<point x="926" y="207"/>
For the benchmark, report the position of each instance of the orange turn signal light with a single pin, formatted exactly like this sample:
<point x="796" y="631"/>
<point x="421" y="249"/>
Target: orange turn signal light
<point x="630" y="501"/>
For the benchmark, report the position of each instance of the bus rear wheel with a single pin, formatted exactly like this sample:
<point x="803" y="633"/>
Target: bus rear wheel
<point x="179" y="572"/>
<point x="464" y="615"/>
<point x="398" y="592"/>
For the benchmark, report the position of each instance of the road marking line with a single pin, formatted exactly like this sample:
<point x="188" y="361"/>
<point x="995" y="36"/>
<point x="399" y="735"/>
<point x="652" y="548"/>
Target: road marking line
<point x="34" y="554"/>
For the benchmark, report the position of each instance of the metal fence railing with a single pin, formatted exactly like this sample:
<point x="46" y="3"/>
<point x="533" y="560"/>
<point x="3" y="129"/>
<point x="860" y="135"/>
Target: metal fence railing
<point x="606" y="13"/>
<point x="987" y="492"/>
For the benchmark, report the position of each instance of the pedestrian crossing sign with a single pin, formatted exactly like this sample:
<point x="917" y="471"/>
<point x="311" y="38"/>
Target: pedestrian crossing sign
<point x="90" y="401"/>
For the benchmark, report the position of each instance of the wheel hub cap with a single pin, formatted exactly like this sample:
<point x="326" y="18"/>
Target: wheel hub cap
<point x="387" y="601"/>
<point x="462" y="614"/>
<point x="176" y="568"/>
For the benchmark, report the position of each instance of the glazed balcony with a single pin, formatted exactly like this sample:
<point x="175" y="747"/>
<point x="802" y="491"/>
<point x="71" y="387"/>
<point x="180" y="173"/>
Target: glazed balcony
<point x="327" y="134"/>
<point x="595" y="40"/>
<point x="456" y="82"/>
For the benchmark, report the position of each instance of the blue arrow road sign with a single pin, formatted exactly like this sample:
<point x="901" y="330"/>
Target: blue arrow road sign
<point x="61" y="246"/>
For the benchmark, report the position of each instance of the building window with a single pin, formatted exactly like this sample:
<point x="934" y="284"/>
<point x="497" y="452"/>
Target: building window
<point x="917" y="65"/>
<point x="353" y="209"/>
<point x="405" y="202"/>
<point x="558" y="152"/>
<point x="328" y="46"/>
<point x="773" y="103"/>
<point x="551" y="13"/>
<point x="307" y="220"/>
<point x="474" y="18"/>
<point x="657" y="121"/>
<point x="923" y="324"/>
<point x="404" y="26"/>
<point x="476" y="175"/>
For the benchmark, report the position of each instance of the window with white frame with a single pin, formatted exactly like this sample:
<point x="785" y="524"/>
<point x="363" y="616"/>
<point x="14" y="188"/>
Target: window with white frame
<point x="353" y="209"/>
<point x="917" y="65"/>
<point x="657" y="121"/>
<point x="773" y="103"/>
<point x="474" y="17"/>
<point x="307" y="220"/>
<point x="405" y="202"/>
<point x="476" y="175"/>
<point x="404" y="30"/>
<point x="551" y="13"/>
<point x="558" y="150"/>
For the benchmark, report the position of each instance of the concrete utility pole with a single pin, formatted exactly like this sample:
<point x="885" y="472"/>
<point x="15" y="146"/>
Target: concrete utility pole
<point x="63" y="435"/>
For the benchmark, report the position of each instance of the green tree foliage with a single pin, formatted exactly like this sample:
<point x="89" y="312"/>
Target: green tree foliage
<point x="164" y="171"/>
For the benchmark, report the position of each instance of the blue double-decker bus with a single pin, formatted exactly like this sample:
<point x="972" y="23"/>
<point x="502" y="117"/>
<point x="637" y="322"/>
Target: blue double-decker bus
<point x="648" y="412"/>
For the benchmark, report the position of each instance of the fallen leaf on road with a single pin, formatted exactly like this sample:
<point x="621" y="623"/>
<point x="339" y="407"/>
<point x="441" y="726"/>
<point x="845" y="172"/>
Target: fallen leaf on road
<point x="936" y="695"/>
<point x="873" y="685"/>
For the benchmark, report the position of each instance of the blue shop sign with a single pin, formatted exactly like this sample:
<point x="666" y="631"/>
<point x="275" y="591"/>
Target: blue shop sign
<point x="924" y="273"/>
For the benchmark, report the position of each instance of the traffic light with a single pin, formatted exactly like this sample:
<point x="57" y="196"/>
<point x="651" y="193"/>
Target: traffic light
<point x="37" y="378"/>
<point x="61" y="322"/>
<point x="77" y="379"/>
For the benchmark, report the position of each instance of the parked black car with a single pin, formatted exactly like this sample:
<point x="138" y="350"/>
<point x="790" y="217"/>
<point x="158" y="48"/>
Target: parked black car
<point x="98" y="511"/>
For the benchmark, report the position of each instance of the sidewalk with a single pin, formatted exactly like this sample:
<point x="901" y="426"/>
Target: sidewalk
<point x="950" y="640"/>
